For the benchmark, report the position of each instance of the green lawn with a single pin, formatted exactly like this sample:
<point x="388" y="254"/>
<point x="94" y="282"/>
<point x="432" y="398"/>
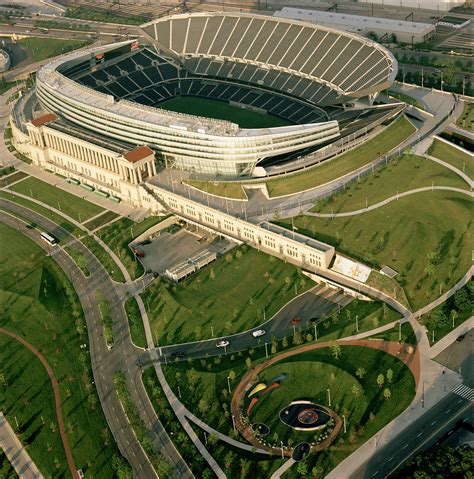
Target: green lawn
<point x="79" y="259"/>
<point x="221" y="110"/>
<point x="225" y="189"/>
<point x="54" y="25"/>
<point x="370" y="315"/>
<point x="406" y="98"/>
<point x="425" y="237"/>
<point x="454" y="156"/>
<point x="466" y="120"/>
<point x="408" y="335"/>
<point x="403" y="174"/>
<point x="12" y="178"/>
<point x="50" y="47"/>
<point x="69" y="204"/>
<point x="180" y="438"/>
<point x="101" y="220"/>
<point x="332" y="169"/>
<point x="47" y="213"/>
<point x="120" y="233"/>
<point x="337" y="375"/>
<point x="5" y="86"/>
<point x="228" y="296"/>
<point x="40" y="304"/>
<point x="137" y="330"/>
<point x="103" y="16"/>
<point x="458" y="307"/>
<point x="27" y="394"/>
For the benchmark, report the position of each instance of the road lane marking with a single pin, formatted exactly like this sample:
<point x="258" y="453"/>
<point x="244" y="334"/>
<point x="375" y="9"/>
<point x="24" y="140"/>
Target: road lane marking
<point x="420" y="434"/>
<point x="405" y="446"/>
<point x="448" y="411"/>
<point x="433" y="423"/>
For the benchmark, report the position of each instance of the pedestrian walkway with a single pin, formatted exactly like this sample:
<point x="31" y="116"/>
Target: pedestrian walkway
<point x="464" y="391"/>
<point x="16" y="452"/>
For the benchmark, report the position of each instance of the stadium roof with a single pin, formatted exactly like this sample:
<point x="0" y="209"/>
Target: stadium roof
<point x="355" y="23"/>
<point x="42" y="120"/>
<point x="138" y="153"/>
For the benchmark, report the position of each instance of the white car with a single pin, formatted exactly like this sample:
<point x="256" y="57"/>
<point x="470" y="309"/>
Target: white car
<point x="222" y="344"/>
<point x="258" y="333"/>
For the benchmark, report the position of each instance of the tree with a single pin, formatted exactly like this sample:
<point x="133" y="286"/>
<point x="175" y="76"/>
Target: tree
<point x="228" y="257"/>
<point x="454" y="316"/>
<point x="297" y="339"/>
<point x="429" y="269"/>
<point x="387" y="393"/>
<point x="356" y="390"/>
<point x="238" y="254"/>
<point x="203" y="406"/>
<point x="335" y="350"/>
<point x="248" y="362"/>
<point x="231" y="375"/>
<point x="212" y="274"/>
<point x="335" y="317"/>
<point x="284" y="343"/>
<point x="380" y="380"/>
<point x="360" y="373"/>
<point x="389" y="375"/>
<point x="461" y="299"/>
<point x="302" y="469"/>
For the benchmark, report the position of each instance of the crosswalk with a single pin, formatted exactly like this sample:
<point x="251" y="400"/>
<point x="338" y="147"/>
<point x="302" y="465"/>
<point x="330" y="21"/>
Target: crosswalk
<point x="464" y="391"/>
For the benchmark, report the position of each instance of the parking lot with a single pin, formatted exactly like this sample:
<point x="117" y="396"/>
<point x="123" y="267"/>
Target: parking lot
<point x="171" y="248"/>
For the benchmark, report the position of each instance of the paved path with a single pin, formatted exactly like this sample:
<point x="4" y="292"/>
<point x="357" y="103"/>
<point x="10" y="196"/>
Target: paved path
<point x="452" y="168"/>
<point x="451" y="337"/>
<point x="389" y="200"/>
<point x="16" y="452"/>
<point x="283" y="468"/>
<point x="463" y="281"/>
<point x="57" y="398"/>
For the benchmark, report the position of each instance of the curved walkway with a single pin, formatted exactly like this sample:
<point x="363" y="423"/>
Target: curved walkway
<point x="389" y="200"/>
<point x="458" y="172"/>
<point x="57" y="398"/>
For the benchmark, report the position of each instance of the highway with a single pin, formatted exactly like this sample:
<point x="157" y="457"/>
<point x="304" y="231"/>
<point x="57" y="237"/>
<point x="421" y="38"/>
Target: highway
<point x="422" y="434"/>
<point x="123" y="356"/>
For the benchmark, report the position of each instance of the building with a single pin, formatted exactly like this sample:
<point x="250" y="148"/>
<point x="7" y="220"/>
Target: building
<point x="283" y="67"/>
<point x="438" y="5"/>
<point x="382" y="28"/>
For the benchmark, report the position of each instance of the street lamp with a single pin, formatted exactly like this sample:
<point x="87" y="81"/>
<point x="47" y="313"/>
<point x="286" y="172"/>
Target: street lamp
<point x="329" y="396"/>
<point x="344" y="422"/>
<point x="282" y="454"/>
<point x="228" y="384"/>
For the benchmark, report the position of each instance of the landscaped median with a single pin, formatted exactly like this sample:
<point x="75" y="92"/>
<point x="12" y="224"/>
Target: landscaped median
<point x="452" y="155"/>
<point x="325" y="172"/>
<point x="159" y="462"/>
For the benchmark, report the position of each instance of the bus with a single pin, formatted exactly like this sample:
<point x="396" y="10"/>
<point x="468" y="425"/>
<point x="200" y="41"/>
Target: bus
<point x="51" y="240"/>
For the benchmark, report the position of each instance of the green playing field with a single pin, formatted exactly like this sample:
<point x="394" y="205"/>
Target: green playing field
<point x="221" y="110"/>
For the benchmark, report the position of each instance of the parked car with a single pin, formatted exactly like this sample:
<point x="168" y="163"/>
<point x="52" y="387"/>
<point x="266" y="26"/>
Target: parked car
<point x="258" y="333"/>
<point x="460" y="338"/>
<point x="295" y="321"/>
<point x="222" y="344"/>
<point x="178" y="354"/>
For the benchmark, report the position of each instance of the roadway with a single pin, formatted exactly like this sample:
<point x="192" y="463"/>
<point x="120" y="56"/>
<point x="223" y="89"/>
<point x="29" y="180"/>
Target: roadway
<point x="319" y="300"/>
<point x="123" y="356"/>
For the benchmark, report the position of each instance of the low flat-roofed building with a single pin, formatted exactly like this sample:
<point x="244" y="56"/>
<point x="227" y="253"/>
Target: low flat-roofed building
<point x="403" y="31"/>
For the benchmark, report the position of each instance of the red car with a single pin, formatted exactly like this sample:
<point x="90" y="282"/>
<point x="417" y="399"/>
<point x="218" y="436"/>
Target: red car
<point x="296" y="321"/>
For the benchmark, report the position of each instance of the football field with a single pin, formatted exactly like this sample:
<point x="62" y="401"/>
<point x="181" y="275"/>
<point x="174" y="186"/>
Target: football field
<point x="221" y="110"/>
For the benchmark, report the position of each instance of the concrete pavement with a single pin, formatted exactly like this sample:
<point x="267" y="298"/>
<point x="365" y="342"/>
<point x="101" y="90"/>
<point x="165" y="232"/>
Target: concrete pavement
<point x="16" y="452"/>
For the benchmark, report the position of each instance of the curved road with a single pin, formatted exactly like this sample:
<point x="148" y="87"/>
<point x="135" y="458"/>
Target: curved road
<point x="123" y="356"/>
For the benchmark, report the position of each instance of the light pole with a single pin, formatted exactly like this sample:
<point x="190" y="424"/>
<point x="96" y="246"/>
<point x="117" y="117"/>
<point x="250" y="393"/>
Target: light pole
<point x="344" y="422"/>
<point x="357" y="323"/>
<point x="233" y="421"/>
<point x="399" y="332"/>
<point x="282" y="454"/>
<point x="228" y="384"/>
<point x="329" y="396"/>
<point x="179" y="392"/>
<point x="315" y="332"/>
<point x="212" y="331"/>
<point x="266" y="350"/>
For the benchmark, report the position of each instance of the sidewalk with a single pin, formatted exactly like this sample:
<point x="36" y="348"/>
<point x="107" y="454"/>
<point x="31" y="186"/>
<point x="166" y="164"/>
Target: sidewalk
<point x="16" y="452"/>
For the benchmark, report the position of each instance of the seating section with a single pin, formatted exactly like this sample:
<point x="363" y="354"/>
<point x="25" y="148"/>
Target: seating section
<point x="223" y="40"/>
<point x="147" y="78"/>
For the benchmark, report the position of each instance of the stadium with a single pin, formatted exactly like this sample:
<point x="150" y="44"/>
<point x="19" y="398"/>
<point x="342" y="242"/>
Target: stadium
<point x="306" y="86"/>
